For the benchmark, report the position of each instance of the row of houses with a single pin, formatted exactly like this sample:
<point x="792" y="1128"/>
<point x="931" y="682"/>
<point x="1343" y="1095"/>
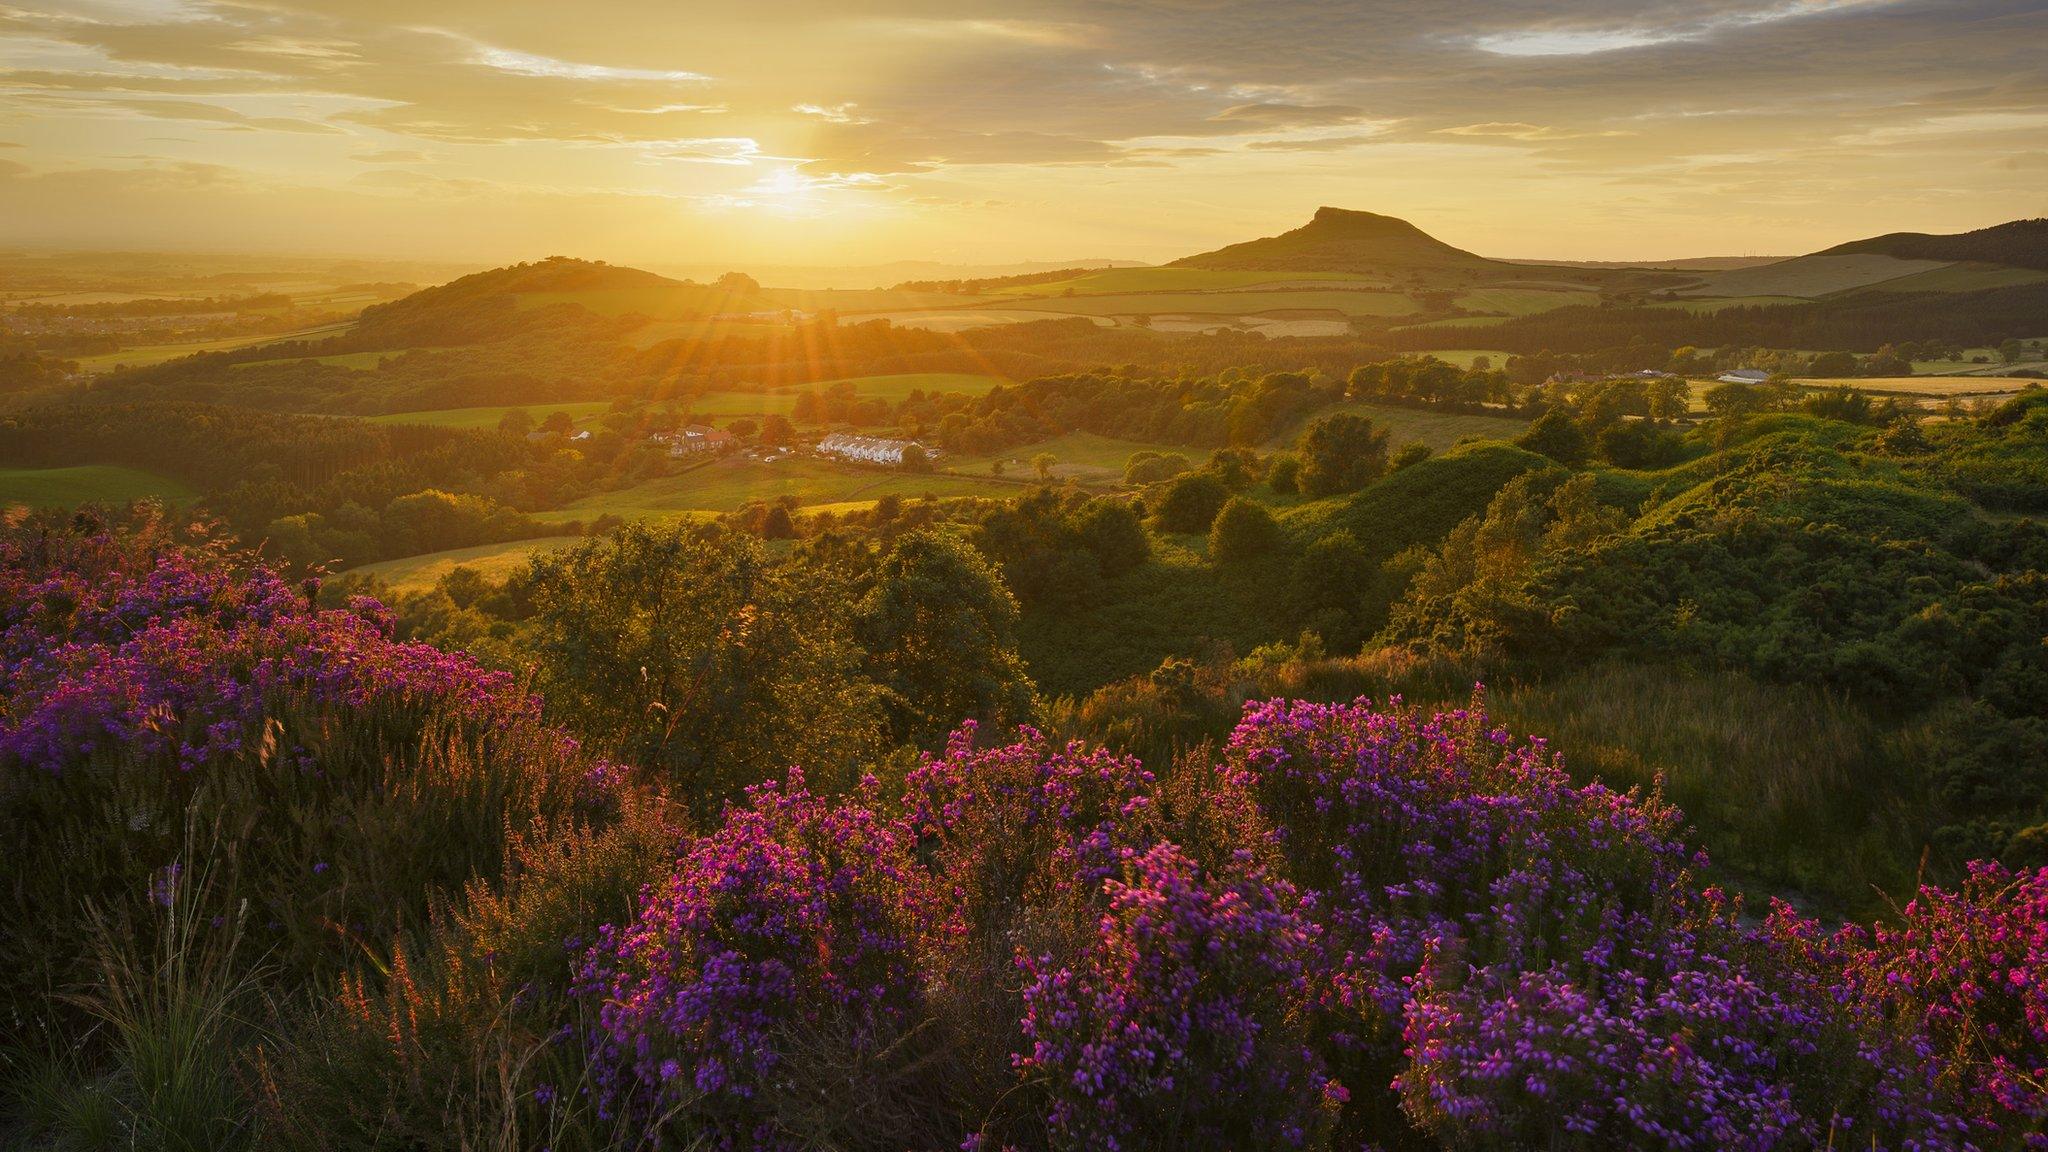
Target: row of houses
<point x="868" y="449"/>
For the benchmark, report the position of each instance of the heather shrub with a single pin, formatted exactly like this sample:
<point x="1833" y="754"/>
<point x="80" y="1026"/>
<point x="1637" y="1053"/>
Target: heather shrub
<point x="770" y="992"/>
<point x="1181" y="1025"/>
<point x="337" y="779"/>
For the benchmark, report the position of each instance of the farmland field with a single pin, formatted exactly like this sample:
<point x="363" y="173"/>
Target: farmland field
<point x="1929" y="385"/>
<point x="1464" y="357"/>
<point x="144" y="355"/>
<point x="1128" y="280"/>
<point x="1229" y="303"/>
<point x="1439" y="430"/>
<point x="85" y="483"/>
<point x="958" y="319"/>
<point x="727" y="484"/>
<point x="489" y="417"/>
<point x="1083" y="456"/>
<point x="1810" y="276"/>
<point x="1522" y="301"/>
<point x="898" y="387"/>
<point x="360" y="361"/>
<point x="496" y="561"/>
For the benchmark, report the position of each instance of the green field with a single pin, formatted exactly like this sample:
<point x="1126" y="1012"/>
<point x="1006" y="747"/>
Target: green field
<point x="361" y="361"/>
<point x="899" y="387"/>
<point x="729" y="483"/>
<point x="1810" y="276"/>
<point x="1128" y="280"/>
<point x="497" y="561"/>
<point x="1716" y="303"/>
<point x="1521" y="301"/>
<point x="1082" y="456"/>
<point x="1439" y="430"/>
<point x="1227" y="303"/>
<point x="144" y="355"/>
<point x="1463" y="357"/>
<point x="489" y="417"/>
<point x="85" y="484"/>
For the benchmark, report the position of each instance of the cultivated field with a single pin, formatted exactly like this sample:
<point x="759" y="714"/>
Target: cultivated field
<point x="732" y="482"/>
<point x="1081" y="456"/>
<point x="1439" y="430"/>
<point x="1938" y="386"/>
<point x="1228" y="303"/>
<point x="490" y="416"/>
<point x="497" y="561"/>
<point x="144" y="355"/>
<point x="85" y="483"/>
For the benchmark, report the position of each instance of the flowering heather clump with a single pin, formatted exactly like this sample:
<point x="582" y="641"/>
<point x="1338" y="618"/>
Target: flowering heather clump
<point x="1025" y="820"/>
<point x="1549" y="963"/>
<point x="1180" y="1026"/>
<point x="180" y="654"/>
<point x="798" y="917"/>
<point x="1973" y="965"/>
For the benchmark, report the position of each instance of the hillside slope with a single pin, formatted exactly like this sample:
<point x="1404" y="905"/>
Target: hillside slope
<point x="2016" y="243"/>
<point x="1342" y="240"/>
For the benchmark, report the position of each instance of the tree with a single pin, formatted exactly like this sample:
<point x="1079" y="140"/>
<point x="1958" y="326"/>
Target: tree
<point x="2011" y="351"/>
<point x="1192" y="502"/>
<point x="1557" y="436"/>
<point x="1243" y="531"/>
<point x="1410" y="455"/>
<point x="558" y="422"/>
<point x="776" y="429"/>
<point x="743" y="428"/>
<point x="517" y="422"/>
<point x="777" y="524"/>
<point x="1737" y="399"/>
<point x="1111" y="529"/>
<point x="1043" y="464"/>
<point x="940" y="630"/>
<point x="1341" y="453"/>
<point x="915" y="459"/>
<point x="687" y="651"/>
<point x="737" y="282"/>
<point x="1283" y="473"/>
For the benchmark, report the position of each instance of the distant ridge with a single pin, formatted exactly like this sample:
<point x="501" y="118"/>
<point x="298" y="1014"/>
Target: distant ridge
<point x="2016" y="243"/>
<point x="1343" y="240"/>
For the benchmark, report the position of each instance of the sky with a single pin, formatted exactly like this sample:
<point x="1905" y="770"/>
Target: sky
<point x="978" y="131"/>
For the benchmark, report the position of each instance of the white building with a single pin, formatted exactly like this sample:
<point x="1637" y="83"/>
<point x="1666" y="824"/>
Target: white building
<point x="1744" y="376"/>
<point x="867" y="449"/>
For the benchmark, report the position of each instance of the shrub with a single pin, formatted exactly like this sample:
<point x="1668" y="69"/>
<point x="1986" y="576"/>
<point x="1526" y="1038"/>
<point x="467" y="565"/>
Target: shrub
<point x="1243" y="531"/>
<point x="1191" y="503"/>
<point x="1341" y="453"/>
<point x="783" y="957"/>
<point x="1181" y="1025"/>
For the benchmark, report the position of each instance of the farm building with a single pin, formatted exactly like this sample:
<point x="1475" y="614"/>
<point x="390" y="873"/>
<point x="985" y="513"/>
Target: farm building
<point x="694" y="439"/>
<point x="866" y="449"/>
<point x="1744" y="376"/>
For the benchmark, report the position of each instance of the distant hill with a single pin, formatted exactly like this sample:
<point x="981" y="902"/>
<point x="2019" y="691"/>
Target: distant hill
<point x="2016" y="244"/>
<point x="488" y="304"/>
<point x="1342" y="240"/>
<point x="1687" y="264"/>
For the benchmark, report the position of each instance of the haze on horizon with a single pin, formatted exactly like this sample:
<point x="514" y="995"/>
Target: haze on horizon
<point x="805" y="131"/>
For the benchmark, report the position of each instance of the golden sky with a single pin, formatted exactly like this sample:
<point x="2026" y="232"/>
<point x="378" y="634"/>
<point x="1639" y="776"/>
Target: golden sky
<point x="809" y="131"/>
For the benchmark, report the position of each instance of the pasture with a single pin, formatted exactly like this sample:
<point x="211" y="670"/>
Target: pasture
<point x="146" y="355"/>
<point x="1439" y="430"/>
<point x="1082" y="456"/>
<point x="733" y="481"/>
<point x="1940" y="387"/>
<point x="488" y="417"/>
<point x="497" y="561"/>
<point x="85" y="484"/>
<point x="1811" y="276"/>
<point x="1228" y="303"/>
<point x="1523" y="301"/>
<point x="1119" y="281"/>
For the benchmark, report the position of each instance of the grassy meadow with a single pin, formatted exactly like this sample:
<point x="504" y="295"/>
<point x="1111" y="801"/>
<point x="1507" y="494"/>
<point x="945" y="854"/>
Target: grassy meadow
<point x="85" y="483"/>
<point x="495" y="561"/>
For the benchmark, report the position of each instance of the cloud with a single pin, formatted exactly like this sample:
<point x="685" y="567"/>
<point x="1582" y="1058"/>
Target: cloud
<point x="215" y="114"/>
<point x="392" y="156"/>
<point x="1270" y="116"/>
<point x="1310" y="144"/>
<point x="530" y="64"/>
<point x="1516" y="130"/>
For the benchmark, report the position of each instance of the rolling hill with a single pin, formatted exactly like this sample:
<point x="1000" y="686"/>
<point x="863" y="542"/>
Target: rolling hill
<point x="2016" y="244"/>
<point x="1343" y="240"/>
